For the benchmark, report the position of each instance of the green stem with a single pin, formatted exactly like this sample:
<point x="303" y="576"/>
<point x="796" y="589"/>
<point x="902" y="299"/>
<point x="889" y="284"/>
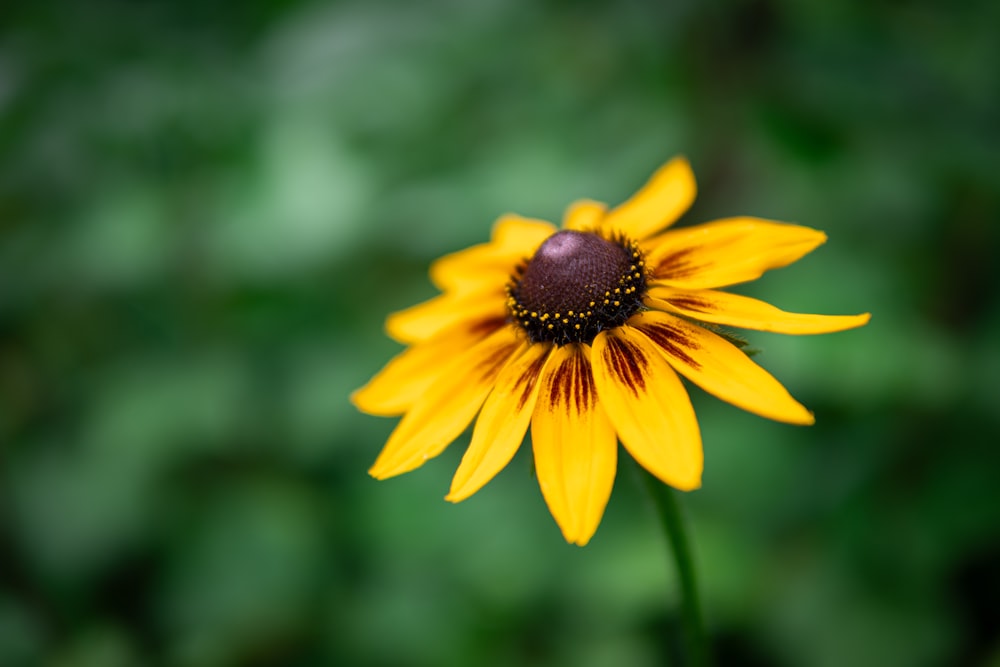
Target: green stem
<point x="696" y="646"/>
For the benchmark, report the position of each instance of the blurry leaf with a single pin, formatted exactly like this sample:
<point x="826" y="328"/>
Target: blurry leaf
<point x="243" y="573"/>
<point x="300" y="207"/>
<point x="98" y="646"/>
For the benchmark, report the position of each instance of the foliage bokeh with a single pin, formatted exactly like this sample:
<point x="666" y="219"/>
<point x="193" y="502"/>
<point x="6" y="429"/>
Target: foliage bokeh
<point x="206" y="210"/>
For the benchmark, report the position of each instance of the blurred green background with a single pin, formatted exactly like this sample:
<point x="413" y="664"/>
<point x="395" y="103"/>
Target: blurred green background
<point x="207" y="209"/>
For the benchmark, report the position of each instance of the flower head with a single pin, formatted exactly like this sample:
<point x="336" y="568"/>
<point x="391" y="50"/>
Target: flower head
<point x="580" y="334"/>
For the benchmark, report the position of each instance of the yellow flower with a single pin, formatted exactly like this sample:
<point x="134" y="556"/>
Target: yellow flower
<point x="581" y="333"/>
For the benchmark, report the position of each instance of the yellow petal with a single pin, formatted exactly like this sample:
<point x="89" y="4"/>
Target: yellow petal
<point x="426" y="320"/>
<point x="405" y="378"/>
<point x="742" y="311"/>
<point x="479" y="269"/>
<point x="584" y="215"/>
<point x="648" y="406"/>
<point x="574" y="445"/>
<point x="664" y="198"/>
<point x="502" y="422"/>
<point x="514" y="239"/>
<point x="726" y="252"/>
<point x="516" y="232"/>
<point x="447" y="406"/>
<point x="719" y="367"/>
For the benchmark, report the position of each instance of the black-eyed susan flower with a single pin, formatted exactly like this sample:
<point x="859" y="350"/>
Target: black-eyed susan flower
<point x="580" y="334"/>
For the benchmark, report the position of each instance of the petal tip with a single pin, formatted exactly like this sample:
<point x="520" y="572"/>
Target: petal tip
<point x="358" y="400"/>
<point x="393" y="329"/>
<point x="680" y="167"/>
<point x="659" y="203"/>
<point x="817" y="239"/>
<point x="681" y="161"/>
<point x="683" y="167"/>
<point x="690" y="482"/>
<point x="796" y="414"/>
<point x="384" y="470"/>
<point x="581" y="536"/>
<point x="684" y="482"/>
<point x="460" y="491"/>
<point x="353" y="398"/>
<point x="688" y="485"/>
<point x="852" y="321"/>
<point x="368" y="405"/>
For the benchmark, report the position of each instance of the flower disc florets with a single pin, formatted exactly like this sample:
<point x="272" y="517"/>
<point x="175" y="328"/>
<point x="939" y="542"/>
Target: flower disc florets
<point x="576" y="285"/>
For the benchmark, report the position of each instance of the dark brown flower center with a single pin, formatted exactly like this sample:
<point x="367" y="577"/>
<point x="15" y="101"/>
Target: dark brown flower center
<point x="577" y="285"/>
